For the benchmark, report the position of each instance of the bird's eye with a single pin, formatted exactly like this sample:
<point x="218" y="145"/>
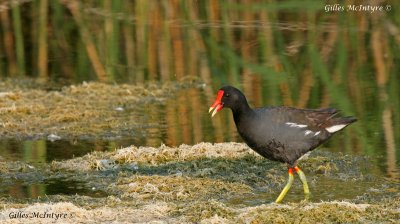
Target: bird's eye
<point x="227" y="95"/>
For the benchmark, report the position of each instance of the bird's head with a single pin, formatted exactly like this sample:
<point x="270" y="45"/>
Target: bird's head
<point x="227" y="96"/>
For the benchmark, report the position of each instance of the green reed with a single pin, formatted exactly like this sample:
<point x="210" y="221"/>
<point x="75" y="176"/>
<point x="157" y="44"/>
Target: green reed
<point x="42" y="40"/>
<point x="19" y="39"/>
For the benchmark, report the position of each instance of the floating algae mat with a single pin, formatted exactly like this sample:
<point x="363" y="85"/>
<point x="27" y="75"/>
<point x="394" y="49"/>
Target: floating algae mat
<point x="85" y="111"/>
<point x="209" y="183"/>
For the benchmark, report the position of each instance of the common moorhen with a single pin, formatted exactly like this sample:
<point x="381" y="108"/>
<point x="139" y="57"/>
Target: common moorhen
<point x="281" y="133"/>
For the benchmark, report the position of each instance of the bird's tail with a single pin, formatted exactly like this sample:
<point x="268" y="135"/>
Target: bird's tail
<point x="336" y="124"/>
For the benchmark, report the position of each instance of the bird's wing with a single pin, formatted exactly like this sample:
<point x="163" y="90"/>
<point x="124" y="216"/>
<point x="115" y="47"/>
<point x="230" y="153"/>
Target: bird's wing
<point x="312" y="119"/>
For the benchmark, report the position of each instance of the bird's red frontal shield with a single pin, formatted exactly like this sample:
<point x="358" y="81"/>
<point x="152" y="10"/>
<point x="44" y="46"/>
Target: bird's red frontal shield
<point x="217" y="105"/>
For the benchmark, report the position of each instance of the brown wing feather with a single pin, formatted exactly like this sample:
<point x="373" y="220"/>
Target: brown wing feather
<point x="314" y="118"/>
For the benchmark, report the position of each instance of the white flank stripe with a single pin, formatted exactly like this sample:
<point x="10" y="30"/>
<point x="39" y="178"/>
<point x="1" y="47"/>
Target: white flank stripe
<point x="294" y="125"/>
<point x="335" y="128"/>
<point x="305" y="156"/>
<point x="317" y="133"/>
<point x="308" y="132"/>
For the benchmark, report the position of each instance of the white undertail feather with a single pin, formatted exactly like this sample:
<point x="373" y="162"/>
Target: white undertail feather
<point x="335" y="128"/>
<point x="294" y="125"/>
<point x="317" y="133"/>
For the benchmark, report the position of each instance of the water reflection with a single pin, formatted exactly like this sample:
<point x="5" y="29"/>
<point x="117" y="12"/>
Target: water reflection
<point x="43" y="151"/>
<point x="21" y="190"/>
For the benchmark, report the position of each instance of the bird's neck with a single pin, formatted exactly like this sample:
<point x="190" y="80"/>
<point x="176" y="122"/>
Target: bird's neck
<point x="242" y="112"/>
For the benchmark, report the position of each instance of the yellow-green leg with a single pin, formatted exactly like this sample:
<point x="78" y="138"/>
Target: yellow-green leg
<point x="304" y="181"/>
<point x="287" y="187"/>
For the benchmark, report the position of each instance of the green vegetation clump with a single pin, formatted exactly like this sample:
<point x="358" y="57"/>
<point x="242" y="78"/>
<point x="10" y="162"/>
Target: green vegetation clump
<point x="178" y="188"/>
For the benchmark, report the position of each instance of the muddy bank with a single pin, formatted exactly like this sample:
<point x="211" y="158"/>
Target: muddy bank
<point x="207" y="183"/>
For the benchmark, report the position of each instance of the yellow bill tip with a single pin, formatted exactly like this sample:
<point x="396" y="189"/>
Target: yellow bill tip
<point x="214" y="112"/>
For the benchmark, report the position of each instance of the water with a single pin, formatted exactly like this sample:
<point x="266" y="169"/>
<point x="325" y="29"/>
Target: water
<point x="22" y="190"/>
<point x="40" y="151"/>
